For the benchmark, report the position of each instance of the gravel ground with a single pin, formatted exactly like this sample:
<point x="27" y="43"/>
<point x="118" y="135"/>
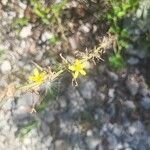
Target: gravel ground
<point x="109" y="110"/>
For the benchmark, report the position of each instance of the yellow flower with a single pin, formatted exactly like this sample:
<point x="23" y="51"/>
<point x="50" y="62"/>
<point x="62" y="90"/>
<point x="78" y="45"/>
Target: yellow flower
<point x="37" y="77"/>
<point x="77" y="68"/>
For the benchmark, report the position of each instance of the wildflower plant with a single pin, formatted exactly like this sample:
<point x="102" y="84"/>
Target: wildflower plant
<point x="44" y="77"/>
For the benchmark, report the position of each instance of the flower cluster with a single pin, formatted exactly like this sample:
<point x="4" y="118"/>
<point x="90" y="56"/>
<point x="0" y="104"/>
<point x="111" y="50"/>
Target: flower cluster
<point x="76" y="68"/>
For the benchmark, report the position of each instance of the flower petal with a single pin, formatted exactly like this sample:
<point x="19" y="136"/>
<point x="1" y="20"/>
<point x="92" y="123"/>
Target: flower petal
<point x="36" y="72"/>
<point x="31" y="78"/>
<point x="75" y="75"/>
<point x="83" y="65"/>
<point x="83" y="72"/>
<point x="72" y="68"/>
<point x="77" y="62"/>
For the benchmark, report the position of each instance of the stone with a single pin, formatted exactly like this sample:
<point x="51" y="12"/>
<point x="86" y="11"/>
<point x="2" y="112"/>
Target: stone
<point x="27" y="100"/>
<point x="2" y="138"/>
<point x="112" y="141"/>
<point x="117" y="131"/>
<point x="89" y="133"/>
<point x="113" y="75"/>
<point x="136" y="127"/>
<point x="85" y="28"/>
<point x="111" y="93"/>
<point x="61" y="145"/>
<point x="92" y="142"/>
<point x="132" y="130"/>
<point x="133" y="61"/>
<point x="62" y="102"/>
<point x="145" y="103"/>
<point x="119" y="146"/>
<point x="26" y="31"/>
<point x="48" y="117"/>
<point x="139" y="12"/>
<point x="73" y="42"/>
<point x="44" y="128"/>
<point x="48" y="141"/>
<point x="76" y="103"/>
<point x="4" y="2"/>
<point x="130" y="105"/>
<point x="132" y="85"/>
<point x="46" y="36"/>
<point x="5" y="67"/>
<point x="87" y="89"/>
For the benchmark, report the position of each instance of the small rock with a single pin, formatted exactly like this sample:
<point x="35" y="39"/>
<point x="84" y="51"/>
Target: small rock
<point x="44" y="128"/>
<point x="113" y="75"/>
<point x="101" y="68"/>
<point x="89" y="133"/>
<point x="87" y="89"/>
<point x="4" y="2"/>
<point x="119" y="146"/>
<point x="26" y="31"/>
<point x="111" y="93"/>
<point x="133" y="61"/>
<point x="2" y="138"/>
<point x="117" y="131"/>
<point x="48" y="117"/>
<point x="92" y="142"/>
<point x="39" y="55"/>
<point x="85" y="28"/>
<point x="27" y="100"/>
<point x="5" y="67"/>
<point x="148" y="141"/>
<point x="139" y="13"/>
<point x="22" y="5"/>
<point x="130" y="104"/>
<point x="48" y="141"/>
<point x="46" y="36"/>
<point x="132" y="85"/>
<point x="73" y="42"/>
<point x="61" y="145"/>
<point x="112" y="141"/>
<point x="146" y="103"/>
<point x="63" y="103"/>
<point x="32" y="48"/>
<point x="132" y="130"/>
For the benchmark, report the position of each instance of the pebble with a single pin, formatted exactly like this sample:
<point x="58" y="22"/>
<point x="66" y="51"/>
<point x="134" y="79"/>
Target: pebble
<point x="26" y="31"/>
<point x="113" y="75"/>
<point x="4" y="2"/>
<point x="5" y="67"/>
<point x="89" y="133"/>
<point x="132" y="130"/>
<point x="87" y="89"/>
<point x="61" y="145"/>
<point x="145" y="102"/>
<point x="63" y="103"/>
<point x="111" y="93"/>
<point x="85" y="28"/>
<point x="27" y="100"/>
<point x="132" y="85"/>
<point x="130" y="104"/>
<point x="48" y="117"/>
<point x="139" y="13"/>
<point x="92" y="142"/>
<point x="133" y="61"/>
<point x="46" y="36"/>
<point x="73" y="42"/>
